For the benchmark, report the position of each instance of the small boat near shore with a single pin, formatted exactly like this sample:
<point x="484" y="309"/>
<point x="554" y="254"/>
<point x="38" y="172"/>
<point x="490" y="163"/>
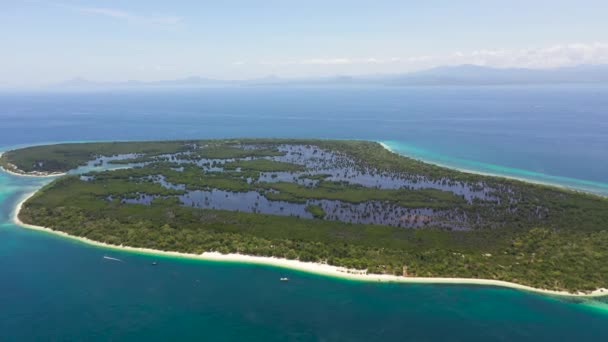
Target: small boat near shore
<point x="284" y="279"/>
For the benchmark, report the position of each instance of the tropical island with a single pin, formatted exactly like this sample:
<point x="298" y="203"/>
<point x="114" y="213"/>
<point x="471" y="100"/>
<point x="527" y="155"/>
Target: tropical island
<point x="350" y="204"/>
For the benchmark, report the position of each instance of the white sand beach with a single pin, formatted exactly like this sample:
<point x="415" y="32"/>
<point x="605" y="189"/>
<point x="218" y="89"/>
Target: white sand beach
<point x="56" y="174"/>
<point x="317" y="268"/>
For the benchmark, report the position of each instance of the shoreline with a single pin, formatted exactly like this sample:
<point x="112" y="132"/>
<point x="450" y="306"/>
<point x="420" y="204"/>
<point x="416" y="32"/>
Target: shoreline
<point x="13" y="173"/>
<point x="309" y="267"/>
<point x="489" y="174"/>
<point x="19" y="174"/>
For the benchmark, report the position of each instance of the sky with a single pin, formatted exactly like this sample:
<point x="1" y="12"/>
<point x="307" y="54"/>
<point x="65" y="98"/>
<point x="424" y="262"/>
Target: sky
<point x="42" y="42"/>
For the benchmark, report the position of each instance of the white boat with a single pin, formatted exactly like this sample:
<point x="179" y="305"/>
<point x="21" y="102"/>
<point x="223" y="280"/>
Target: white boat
<point x="284" y="279"/>
<point x="110" y="258"/>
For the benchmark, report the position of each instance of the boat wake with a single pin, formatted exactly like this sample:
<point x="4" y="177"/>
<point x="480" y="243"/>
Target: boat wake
<point x="110" y="258"/>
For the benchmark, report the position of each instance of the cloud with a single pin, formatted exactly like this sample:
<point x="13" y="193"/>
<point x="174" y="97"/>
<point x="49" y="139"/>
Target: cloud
<point x="547" y="57"/>
<point x="334" y="61"/>
<point x="123" y="15"/>
<point x="105" y="11"/>
<point x="328" y="61"/>
<point x="537" y="58"/>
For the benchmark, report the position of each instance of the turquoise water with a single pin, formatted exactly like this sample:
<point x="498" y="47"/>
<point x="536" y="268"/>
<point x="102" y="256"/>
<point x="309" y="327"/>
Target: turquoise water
<point x="499" y="170"/>
<point x="58" y="289"/>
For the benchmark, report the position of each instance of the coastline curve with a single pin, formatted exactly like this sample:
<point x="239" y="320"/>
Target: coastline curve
<point x="308" y="267"/>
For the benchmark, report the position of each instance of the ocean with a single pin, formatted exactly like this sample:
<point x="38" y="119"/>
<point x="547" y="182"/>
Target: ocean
<point x="58" y="289"/>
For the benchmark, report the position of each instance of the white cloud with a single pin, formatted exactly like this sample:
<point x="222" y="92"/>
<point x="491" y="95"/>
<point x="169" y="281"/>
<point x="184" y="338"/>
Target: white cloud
<point x="334" y="61"/>
<point x="123" y="15"/>
<point x="105" y="11"/>
<point x="326" y="61"/>
<point x="547" y="57"/>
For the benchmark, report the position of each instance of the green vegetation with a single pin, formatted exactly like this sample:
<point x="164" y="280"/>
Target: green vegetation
<point x="263" y="165"/>
<point x="320" y="176"/>
<point x="221" y="151"/>
<point x="316" y="211"/>
<point x="423" y="198"/>
<point x="64" y="157"/>
<point x="530" y="234"/>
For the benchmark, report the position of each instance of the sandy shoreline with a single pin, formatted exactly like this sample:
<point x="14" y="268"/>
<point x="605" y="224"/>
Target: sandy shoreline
<point x="489" y="174"/>
<point x="30" y="175"/>
<point x="310" y="267"/>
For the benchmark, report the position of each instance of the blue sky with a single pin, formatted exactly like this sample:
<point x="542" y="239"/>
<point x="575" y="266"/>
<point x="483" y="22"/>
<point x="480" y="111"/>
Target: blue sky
<point x="47" y="41"/>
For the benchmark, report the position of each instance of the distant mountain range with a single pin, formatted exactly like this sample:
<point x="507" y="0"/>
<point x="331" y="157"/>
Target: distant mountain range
<point x="463" y="75"/>
<point x="478" y="75"/>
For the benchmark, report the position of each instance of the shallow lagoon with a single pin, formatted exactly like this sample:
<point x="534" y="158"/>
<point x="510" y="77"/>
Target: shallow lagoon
<point x="319" y="166"/>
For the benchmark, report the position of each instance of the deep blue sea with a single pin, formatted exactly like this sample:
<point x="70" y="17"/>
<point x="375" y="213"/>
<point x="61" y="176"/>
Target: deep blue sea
<point x="52" y="288"/>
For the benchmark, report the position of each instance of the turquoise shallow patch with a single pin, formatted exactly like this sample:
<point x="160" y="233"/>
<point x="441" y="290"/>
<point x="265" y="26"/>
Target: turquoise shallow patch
<point x="499" y="170"/>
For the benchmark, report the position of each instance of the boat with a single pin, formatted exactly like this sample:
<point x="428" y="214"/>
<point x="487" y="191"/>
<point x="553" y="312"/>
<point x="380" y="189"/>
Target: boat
<point x="284" y="279"/>
<point x="154" y="263"/>
<point x="110" y="258"/>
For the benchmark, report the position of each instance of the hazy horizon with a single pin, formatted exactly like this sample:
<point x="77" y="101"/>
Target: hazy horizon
<point x="46" y="42"/>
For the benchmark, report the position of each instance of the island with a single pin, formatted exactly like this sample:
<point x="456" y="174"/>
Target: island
<point x="342" y="203"/>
